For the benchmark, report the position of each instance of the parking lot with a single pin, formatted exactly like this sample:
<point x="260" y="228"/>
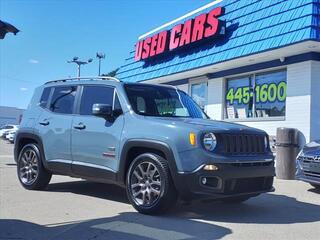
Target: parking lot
<point x="75" y="209"/>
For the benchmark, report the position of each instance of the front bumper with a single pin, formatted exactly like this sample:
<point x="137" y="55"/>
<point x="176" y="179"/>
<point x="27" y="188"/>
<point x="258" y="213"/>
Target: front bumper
<point x="231" y="179"/>
<point x="308" y="172"/>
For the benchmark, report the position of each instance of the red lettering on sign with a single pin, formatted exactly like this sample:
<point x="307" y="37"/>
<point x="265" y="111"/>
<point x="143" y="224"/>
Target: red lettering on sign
<point x="162" y="42"/>
<point x="193" y="30"/>
<point x="146" y="48"/>
<point x="137" y="56"/>
<point x="198" y="27"/>
<point x="213" y="21"/>
<point x="175" y="37"/>
<point x="154" y="42"/>
<point x="186" y="33"/>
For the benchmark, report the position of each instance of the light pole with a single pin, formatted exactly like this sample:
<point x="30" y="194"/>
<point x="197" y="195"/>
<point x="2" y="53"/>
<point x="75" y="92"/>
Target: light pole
<point x="100" y="56"/>
<point x="79" y="63"/>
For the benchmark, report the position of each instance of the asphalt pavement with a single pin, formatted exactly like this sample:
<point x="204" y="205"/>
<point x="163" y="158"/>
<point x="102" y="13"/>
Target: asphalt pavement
<point x="74" y="209"/>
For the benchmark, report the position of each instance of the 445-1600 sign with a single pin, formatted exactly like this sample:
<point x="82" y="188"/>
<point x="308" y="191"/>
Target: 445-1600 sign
<point x="263" y="93"/>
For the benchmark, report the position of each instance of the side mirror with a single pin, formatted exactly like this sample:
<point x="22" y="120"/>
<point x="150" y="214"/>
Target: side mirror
<point x="102" y="110"/>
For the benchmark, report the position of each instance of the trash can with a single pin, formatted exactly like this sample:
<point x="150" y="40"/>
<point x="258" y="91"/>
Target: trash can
<point x="287" y="149"/>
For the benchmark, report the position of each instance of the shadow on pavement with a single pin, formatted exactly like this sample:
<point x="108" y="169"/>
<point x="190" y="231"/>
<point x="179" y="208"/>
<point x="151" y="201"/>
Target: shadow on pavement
<point x="314" y="190"/>
<point x="11" y="164"/>
<point x="264" y="209"/>
<point x="93" y="189"/>
<point x="183" y="222"/>
<point x="123" y="226"/>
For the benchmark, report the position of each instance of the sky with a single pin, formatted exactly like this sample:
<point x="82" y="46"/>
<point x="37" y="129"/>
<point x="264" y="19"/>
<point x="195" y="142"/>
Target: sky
<point x="54" y="31"/>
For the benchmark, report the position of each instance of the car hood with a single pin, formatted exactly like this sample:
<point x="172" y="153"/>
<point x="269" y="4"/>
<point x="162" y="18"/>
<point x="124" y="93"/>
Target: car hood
<point x="206" y="124"/>
<point x="312" y="148"/>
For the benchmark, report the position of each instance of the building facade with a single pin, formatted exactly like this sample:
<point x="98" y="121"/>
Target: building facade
<point x="10" y="115"/>
<point x="254" y="62"/>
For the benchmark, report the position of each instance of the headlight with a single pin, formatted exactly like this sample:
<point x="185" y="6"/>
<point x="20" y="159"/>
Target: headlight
<point x="209" y="141"/>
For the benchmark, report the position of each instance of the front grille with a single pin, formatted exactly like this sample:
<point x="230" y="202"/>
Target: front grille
<point x="308" y="159"/>
<point x="242" y="144"/>
<point x="312" y="174"/>
<point x="246" y="185"/>
<point x="251" y="164"/>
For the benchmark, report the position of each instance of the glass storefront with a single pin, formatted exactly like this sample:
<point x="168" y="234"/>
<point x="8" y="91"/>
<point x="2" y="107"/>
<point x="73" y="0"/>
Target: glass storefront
<point x="198" y="93"/>
<point x="260" y="95"/>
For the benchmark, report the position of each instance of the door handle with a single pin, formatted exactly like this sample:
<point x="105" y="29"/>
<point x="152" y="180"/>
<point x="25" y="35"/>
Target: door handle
<point x="80" y="126"/>
<point x="45" y="122"/>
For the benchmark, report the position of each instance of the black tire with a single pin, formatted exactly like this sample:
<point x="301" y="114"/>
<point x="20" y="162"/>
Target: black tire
<point x="316" y="186"/>
<point x="40" y="180"/>
<point x="235" y="200"/>
<point x="166" y="192"/>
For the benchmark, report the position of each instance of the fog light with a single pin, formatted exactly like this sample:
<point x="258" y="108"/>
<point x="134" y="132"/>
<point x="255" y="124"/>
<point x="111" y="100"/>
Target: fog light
<point x="204" y="181"/>
<point x="211" y="167"/>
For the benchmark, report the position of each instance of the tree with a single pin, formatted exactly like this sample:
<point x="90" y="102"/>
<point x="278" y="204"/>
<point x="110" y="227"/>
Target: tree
<point x="113" y="73"/>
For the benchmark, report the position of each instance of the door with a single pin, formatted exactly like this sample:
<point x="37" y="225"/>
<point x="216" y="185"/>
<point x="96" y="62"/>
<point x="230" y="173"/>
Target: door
<point x="54" y="126"/>
<point x="95" y="140"/>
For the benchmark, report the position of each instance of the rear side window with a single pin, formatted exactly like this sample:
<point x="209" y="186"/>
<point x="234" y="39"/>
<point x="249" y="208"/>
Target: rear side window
<point x="63" y="99"/>
<point x="45" y="97"/>
<point x="95" y="94"/>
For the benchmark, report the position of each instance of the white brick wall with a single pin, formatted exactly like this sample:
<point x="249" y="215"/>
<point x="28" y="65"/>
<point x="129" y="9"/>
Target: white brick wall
<point x="184" y="87"/>
<point x="215" y="98"/>
<point x="315" y="102"/>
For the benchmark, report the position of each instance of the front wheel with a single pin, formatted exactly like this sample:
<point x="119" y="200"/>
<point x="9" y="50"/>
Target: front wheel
<point x="31" y="173"/>
<point x="149" y="184"/>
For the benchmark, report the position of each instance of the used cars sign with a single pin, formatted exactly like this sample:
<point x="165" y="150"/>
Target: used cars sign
<point x="204" y="26"/>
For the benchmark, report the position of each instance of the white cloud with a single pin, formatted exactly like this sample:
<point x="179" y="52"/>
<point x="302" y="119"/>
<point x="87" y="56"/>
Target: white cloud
<point x="33" y="61"/>
<point x="23" y="89"/>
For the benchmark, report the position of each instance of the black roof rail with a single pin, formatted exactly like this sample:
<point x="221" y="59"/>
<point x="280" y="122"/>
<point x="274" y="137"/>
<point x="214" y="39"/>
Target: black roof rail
<point x="84" y="78"/>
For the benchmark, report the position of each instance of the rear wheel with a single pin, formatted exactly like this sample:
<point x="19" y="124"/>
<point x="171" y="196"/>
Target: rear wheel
<point x="31" y="173"/>
<point x="149" y="185"/>
<point x="317" y="186"/>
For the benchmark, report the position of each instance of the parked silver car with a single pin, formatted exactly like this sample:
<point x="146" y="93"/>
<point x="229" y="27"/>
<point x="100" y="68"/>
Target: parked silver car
<point x="7" y="128"/>
<point x="308" y="164"/>
<point x="11" y="136"/>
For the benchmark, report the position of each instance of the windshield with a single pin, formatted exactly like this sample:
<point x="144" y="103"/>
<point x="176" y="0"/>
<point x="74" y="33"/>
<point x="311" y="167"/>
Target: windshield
<point x="158" y="101"/>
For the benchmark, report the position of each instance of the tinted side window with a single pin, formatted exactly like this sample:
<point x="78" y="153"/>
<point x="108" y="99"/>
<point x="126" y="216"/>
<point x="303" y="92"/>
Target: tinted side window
<point x="95" y="94"/>
<point x="63" y="99"/>
<point x="45" y="97"/>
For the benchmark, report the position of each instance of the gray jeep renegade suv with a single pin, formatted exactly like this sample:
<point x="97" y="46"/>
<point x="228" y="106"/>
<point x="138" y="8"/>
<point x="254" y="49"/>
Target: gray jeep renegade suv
<point x="152" y="139"/>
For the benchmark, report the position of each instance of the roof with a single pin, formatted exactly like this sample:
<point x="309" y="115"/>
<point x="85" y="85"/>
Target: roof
<point x="84" y="80"/>
<point x="252" y="26"/>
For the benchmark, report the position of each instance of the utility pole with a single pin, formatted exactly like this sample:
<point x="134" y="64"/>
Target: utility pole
<point x="100" y="56"/>
<point x="79" y="63"/>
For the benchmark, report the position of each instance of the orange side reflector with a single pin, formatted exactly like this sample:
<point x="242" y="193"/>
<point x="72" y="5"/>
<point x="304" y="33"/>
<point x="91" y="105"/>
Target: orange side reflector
<point x="192" y="139"/>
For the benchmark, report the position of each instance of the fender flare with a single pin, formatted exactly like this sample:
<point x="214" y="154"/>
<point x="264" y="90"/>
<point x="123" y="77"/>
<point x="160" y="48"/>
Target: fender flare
<point x="23" y="135"/>
<point x="145" y="143"/>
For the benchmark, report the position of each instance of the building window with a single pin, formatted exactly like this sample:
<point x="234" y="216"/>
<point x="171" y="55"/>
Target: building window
<point x="199" y="93"/>
<point x="256" y="96"/>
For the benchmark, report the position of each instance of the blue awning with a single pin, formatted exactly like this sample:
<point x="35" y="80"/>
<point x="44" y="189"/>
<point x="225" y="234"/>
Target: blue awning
<point x="252" y="26"/>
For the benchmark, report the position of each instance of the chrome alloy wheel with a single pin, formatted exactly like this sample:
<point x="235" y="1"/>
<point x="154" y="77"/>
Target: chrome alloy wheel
<point x="145" y="183"/>
<point x="28" y="167"/>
